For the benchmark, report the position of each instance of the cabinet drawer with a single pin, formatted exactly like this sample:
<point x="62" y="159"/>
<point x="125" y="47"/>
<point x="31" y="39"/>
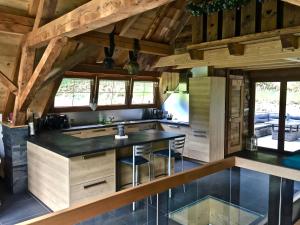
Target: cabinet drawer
<point x="202" y="156"/>
<point x="131" y="128"/>
<point x="91" y="167"/>
<point x="200" y="136"/>
<point x="96" y="188"/>
<point x="175" y="128"/>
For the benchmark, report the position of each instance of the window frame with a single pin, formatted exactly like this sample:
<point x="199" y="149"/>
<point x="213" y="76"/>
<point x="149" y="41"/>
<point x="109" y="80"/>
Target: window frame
<point x="283" y="76"/>
<point x="65" y="108"/>
<point x="127" y="87"/>
<point x="154" y="92"/>
<point x="96" y="77"/>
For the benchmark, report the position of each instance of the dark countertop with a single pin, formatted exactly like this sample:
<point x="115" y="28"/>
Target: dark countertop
<point x="69" y="146"/>
<point x="95" y="126"/>
<point x="291" y="161"/>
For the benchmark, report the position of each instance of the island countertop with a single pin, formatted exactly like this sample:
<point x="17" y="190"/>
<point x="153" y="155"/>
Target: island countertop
<point x="69" y="146"/>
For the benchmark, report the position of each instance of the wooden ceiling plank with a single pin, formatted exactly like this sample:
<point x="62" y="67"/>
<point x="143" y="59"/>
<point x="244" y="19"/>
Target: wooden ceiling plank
<point x="160" y="15"/>
<point x="124" y="43"/>
<point x="50" y="55"/>
<point x="15" y="24"/>
<point x="129" y="22"/>
<point x="8" y="83"/>
<point x="90" y="16"/>
<point x="184" y="20"/>
<point x="33" y="7"/>
<point x="45" y="11"/>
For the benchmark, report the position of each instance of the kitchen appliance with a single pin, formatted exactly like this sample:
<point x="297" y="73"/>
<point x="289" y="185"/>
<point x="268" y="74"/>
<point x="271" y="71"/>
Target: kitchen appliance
<point x="157" y="114"/>
<point x="56" y="121"/>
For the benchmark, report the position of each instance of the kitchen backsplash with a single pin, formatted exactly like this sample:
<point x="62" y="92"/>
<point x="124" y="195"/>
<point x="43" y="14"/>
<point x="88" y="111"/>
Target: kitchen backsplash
<point x="86" y="118"/>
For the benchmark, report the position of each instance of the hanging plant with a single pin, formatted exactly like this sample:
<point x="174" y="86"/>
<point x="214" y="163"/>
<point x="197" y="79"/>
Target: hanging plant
<point x="210" y="6"/>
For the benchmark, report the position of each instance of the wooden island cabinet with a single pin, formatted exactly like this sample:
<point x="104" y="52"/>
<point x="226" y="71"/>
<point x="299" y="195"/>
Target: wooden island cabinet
<point x="64" y="169"/>
<point x="60" y="182"/>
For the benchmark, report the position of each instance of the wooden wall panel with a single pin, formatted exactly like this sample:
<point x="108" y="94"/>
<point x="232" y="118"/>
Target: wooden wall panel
<point x="167" y="80"/>
<point x="212" y="26"/>
<point x="228" y="27"/>
<point x="197" y="33"/>
<point x="248" y="15"/>
<point x="269" y="15"/>
<point x="291" y="15"/>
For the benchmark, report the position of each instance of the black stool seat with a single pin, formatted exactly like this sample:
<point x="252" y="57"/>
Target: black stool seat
<point x="139" y="160"/>
<point x="165" y="153"/>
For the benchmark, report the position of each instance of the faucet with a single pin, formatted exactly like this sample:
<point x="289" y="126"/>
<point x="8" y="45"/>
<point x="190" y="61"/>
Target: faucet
<point x="111" y="118"/>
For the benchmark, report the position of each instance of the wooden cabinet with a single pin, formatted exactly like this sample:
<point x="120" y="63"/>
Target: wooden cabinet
<point x="97" y="132"/>
<point x="60" y="182"/>
<point x="207" y="118"/>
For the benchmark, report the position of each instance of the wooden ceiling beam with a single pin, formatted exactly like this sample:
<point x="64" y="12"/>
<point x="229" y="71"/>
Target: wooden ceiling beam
<point x="98" y="69"/>
<point x="293" y="2"/>
<point x="253" y="53"/>
<point x="147" y="47"/>
<point x="15" y="24"/>
<point x="8" y="83"/>
<point x="247" y="39"/>
<point x="76" y="58"/>
<point x="90" y="16"/>
<point x="42" y="69"/>
<point x="236" y="49"/>
<point x="289" y="42"/>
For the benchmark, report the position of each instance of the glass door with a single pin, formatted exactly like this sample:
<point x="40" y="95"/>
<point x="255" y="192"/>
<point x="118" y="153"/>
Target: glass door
<point x="266" y="117"/>
<point x="292" y="122"/>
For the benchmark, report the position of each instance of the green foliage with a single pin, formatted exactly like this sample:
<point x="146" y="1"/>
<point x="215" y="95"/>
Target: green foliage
<point x="208" y="6"/>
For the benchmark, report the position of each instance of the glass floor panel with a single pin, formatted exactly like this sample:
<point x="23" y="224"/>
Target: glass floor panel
<point x="213" y="211"/>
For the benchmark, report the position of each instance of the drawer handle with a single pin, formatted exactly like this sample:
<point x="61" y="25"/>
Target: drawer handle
<point x="173" y="126"/>
<point x="90" y="156"/>
<point x="74" y="133"/>
<point x="200" y="135"/>
<point x="199" y="131"/>
<point x="95" y="184"/>
<point x="99" y="130"/>
<point x="115" y="128"/>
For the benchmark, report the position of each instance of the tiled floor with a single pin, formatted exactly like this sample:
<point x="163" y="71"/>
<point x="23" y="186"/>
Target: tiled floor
<point x="253" y="196"/>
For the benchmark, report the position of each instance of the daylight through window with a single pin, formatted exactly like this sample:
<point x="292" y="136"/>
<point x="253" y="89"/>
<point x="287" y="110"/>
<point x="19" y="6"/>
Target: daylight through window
<point x="112" y="92"/>
<point x="73" y="92"/>
<point x="143" y="92"/>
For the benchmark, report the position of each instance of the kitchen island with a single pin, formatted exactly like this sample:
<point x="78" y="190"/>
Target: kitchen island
<point x="64" y="169"/>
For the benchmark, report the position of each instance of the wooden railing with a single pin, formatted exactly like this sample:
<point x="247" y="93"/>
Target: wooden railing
<point x="98" y="206"/>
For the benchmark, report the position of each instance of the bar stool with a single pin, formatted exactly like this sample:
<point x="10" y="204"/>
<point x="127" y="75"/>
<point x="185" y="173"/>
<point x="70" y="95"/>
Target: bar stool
<point x="137" y="159"/>
<point x="177" y="148"/>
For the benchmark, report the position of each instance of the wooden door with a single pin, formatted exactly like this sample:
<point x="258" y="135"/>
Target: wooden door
<point x="235" y="114"/>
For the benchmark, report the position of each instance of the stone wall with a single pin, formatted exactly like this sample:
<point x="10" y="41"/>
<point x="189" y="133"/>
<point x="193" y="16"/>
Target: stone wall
<point x="15" y="161"/>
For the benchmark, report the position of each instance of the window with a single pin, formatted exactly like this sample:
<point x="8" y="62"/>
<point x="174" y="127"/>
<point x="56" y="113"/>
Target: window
<point x="143" y="92"/>
<point x="73" y="92"/>
<point x="112" y="92"/>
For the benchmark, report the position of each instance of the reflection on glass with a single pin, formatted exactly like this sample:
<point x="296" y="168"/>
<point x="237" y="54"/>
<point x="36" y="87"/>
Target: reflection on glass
<point x="230" y="197"/>
<point x="267" y="95"/>
<point x="211" y="210"/>
<point x="292" y="123"/>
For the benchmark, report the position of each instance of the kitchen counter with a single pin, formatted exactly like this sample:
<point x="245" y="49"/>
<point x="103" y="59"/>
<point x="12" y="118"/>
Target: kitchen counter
<point x="290" y="161"/>
<point x="69" y="146"/>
